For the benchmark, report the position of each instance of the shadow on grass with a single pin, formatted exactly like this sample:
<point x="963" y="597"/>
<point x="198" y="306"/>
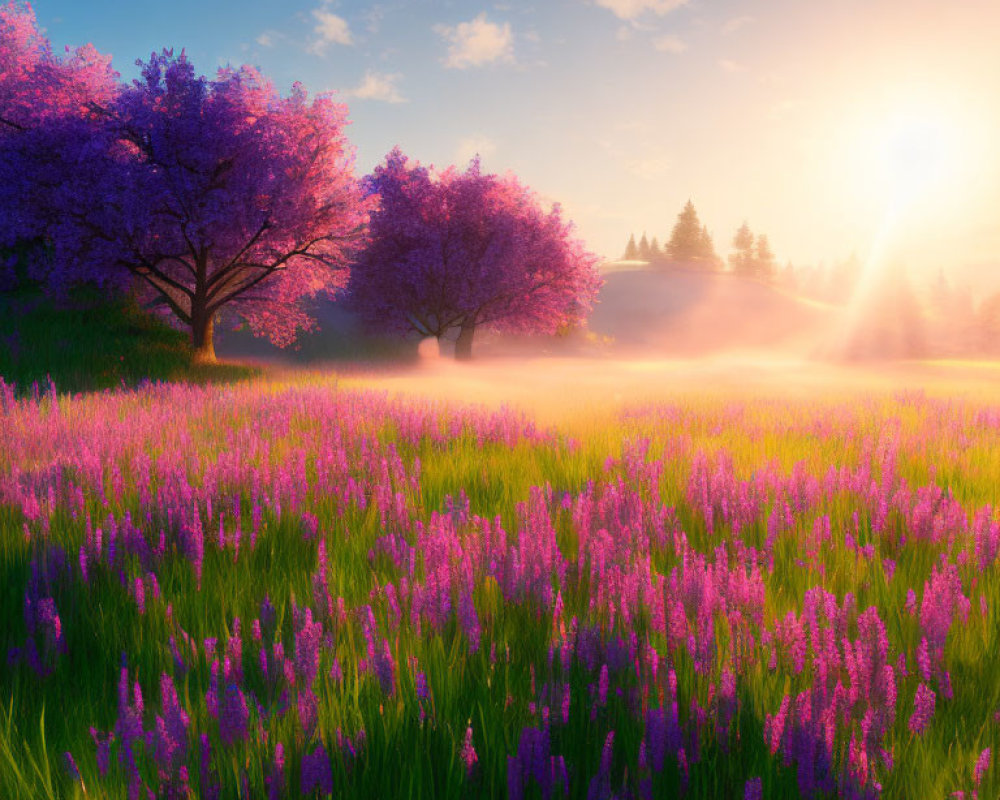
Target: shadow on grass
<point x="89" y="342"/>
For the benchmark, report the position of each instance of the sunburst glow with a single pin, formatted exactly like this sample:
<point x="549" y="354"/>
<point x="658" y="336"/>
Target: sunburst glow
<point x="920" y="150"/>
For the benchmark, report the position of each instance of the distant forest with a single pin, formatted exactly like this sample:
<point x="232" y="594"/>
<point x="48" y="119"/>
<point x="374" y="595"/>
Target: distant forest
<point x="690" y="245"/>
<point x="936" y="316"/>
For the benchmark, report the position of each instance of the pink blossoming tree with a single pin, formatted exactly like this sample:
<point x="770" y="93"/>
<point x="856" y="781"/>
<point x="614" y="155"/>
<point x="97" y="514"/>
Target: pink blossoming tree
<point x="465" y="250"/>
<point x="210" y="195"/>
<point x="36" y="84"/>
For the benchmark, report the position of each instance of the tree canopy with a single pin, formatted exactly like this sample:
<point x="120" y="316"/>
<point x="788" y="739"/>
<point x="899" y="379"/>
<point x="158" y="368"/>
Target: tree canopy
<point x="37" y="84"/>
<point x="209" y="194"/>
<point x="460" y="250"/>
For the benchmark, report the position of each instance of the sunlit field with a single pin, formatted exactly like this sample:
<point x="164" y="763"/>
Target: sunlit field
<point x="634" y="586"/>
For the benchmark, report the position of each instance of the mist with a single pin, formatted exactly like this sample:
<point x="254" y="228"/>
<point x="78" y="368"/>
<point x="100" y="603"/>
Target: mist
<point x="653" y="334"/>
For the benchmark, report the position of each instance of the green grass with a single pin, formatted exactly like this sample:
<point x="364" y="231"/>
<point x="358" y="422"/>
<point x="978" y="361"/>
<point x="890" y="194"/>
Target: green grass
<point x="90" y="342"/>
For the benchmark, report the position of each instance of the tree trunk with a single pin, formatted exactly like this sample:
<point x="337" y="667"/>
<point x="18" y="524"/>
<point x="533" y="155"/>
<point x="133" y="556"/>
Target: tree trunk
<point x="463" y="345"/>
<point x="202" y="338"/>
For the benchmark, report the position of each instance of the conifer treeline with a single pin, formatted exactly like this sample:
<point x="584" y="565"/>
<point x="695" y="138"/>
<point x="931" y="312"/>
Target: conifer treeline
<point x="690" y="245"/>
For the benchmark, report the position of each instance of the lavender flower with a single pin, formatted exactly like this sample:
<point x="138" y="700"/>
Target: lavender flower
<point x="316" y="772"/>
<point x="923" y="709"/>
<point x="468" y="752"/>
<point x="602" y="686"/>
<point x="275" y="779"/>
<point x="982" y="764"/>
<point x="209" y="780"/>
<point x="233" y="715"/>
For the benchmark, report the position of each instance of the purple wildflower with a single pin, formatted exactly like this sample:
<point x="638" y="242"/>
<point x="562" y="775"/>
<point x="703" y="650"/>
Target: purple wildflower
<point x="982" y="764"/>
<point x="602" y="686"/>
<point x="316" y="772"/>
<point x="276" y="777"/>
<point x="209" y="780"/>
<point x="754" y="789"/>
<point x="923" y="709"/>
<point x="307" y="643"/>
<point x="468" y="752"/>
<point x="103" y="746"/>
<point x="233" y="715"/>
<point x="385" y="668"/>
<point x="308" y="711"/>
<point x="421" y="685"/>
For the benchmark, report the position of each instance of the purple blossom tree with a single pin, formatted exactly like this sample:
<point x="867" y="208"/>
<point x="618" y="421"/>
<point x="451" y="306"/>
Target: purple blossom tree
<point x="209" y="194"/>
<point x="38" y="86"/>
<point x="467" y="250"/>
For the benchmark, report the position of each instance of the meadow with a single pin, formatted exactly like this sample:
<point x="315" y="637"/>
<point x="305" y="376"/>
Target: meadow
<point x="308" y="586"/>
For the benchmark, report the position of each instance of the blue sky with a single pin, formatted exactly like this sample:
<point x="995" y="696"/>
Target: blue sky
<point x="797" y="115"/>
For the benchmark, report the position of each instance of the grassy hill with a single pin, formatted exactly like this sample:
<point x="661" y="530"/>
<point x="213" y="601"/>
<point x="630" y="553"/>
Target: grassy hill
<point x="689" y="313"/>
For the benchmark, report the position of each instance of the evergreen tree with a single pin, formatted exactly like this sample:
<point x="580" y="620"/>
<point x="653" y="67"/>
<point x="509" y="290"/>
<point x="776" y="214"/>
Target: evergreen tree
<point x="655" y="253"/>
<point x="687" y="240"/>
<point x="644" y="248"/>
<point x="764" y="266"/>
<point x="742" y="261"/>
<point x="708" y="248"/>
<point x="631" y="250"/>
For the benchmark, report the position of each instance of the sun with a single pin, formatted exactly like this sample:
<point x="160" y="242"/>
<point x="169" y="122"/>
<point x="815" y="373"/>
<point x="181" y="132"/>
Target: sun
<point x="912" y="155"/>
<point x="920" y="152"/>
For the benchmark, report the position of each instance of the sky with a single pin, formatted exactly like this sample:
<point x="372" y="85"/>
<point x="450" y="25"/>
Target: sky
<point x="836" y="127"/>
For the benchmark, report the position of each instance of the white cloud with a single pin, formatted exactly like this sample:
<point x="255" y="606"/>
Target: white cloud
<point x="735" y="24"/>
<point x="732" y="66"/>
<point x="265" y="40"/>
<point x="471" y="146"/>
<point x="331" y="29"/>
<point x="378" y="86"/>
<point x="670" y="44"/>
<point x="630" y="9"/>
<point x="624" y="33"/>
<point x="373" y="19"/>
<point x="477" y="42"/>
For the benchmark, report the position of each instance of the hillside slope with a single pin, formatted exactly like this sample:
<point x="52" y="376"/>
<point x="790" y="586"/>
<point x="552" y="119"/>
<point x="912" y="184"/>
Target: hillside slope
<point x="684" y="313"/>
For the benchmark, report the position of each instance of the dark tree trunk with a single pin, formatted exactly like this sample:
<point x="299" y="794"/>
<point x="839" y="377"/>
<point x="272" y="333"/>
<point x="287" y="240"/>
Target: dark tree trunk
<point x="463" y="345"/>
<point x="202" y="337"/>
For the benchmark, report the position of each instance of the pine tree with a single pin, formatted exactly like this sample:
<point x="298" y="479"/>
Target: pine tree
<point x="631" y="250"/>
<point x="655" y="253"/>
<point x="687" y="240"/>
<point x="708" y="248"/>
<point x="742" y="261"/>
<point x="764" y="265"/>
<point x="644" y="248"/>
